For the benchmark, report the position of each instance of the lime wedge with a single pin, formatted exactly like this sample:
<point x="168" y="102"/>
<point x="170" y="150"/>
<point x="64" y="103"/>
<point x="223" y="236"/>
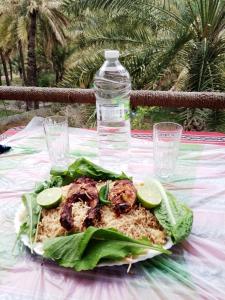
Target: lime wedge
<point x="50" y="198"/>
<point x="148" y="193"/>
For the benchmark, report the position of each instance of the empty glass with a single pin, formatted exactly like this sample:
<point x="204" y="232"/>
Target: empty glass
<point x="166" y="141"/>
<point x="57" y="139"/>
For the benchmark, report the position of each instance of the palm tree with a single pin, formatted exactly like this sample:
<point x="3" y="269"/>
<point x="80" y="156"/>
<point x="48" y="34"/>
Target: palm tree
<point x="4" y="64"/>
<point x="184" y="31"/>
<point x="60" y="57"/>
<point x="23" y="19"/>
<point x="203" y="58"/>
<point x="156" y="37"/>
<point x="141" y="45"/>
<point x="22" y="64"/>
<point x="13" y="36"/>
<point x="0" y="76"/>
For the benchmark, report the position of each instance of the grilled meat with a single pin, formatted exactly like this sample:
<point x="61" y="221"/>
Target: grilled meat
<point x="66" y="218"/>
<point x="93" y="216"/>
<point x="83" y="189"/>
<point x="122" y="196"/>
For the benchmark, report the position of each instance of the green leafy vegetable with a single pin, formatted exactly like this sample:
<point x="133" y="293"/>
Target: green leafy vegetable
<point x="54" y="181"/>
<point x="38" y="220"/>
<point x="33" y="216"/>
<point x="84" y="167"/>
<point x="181" y="214"/>
<point x="81" y="167"/>
<point x="83" y="251"/>
<point x="103" y="194"/>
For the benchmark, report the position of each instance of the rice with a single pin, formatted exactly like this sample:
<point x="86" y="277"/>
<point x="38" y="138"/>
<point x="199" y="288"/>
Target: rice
<point x="79" y="213"/>
<point x="137" y="223"/>
<point x="50" y="226"/>
<point x="50" y="221"/>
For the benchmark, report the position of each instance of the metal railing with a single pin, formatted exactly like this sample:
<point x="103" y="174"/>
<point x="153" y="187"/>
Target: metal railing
<point x="142" y="97"/>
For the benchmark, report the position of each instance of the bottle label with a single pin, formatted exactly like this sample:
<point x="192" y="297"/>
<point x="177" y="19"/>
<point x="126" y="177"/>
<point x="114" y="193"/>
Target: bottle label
<point x="112" y="113"/>
<point x="116" y="112"/>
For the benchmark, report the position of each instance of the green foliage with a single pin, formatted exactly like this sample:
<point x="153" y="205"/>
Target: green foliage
<point x="145" y="117"/>
<point x="14" y="26"/>
<point x="216" y="120"/>
<point x="83" y="70"/>
<point x="194" y="119"/>
<point x="155" y="37"/>
<point x="46" y="79"/>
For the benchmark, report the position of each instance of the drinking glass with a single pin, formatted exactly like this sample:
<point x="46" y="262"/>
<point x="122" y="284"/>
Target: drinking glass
<point x="57" y="139"/>
<point x="166" y="141"/>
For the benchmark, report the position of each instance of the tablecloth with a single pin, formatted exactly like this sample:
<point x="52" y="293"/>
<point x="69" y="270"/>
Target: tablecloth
<point x="196" y="268"/>
<point x="199" y="137"/>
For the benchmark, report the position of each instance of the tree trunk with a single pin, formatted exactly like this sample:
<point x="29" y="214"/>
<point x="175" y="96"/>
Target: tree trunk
<point x="24" y="77"/>
<point x="0" y="76"/>
<point x="31" y="64"/>
<point x="4" y="67"/>
<point x="10" y="69"/>
<point x="56" y="76"/>
<point x="61" y="74"/>
<point x="22" y="70"/>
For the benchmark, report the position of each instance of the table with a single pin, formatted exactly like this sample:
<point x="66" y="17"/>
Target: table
<point x="195" y="270"/>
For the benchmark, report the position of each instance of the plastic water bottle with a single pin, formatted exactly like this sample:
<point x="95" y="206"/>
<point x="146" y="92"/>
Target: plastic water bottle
<point x="112" y="89"/>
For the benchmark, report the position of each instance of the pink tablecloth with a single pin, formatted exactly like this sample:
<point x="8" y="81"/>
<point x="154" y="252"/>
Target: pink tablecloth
<point x="195" y="270"/>
<point x="215" y="138"/>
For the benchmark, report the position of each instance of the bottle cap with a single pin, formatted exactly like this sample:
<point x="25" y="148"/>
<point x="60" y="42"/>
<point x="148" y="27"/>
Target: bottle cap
<point x="111" y="54"/>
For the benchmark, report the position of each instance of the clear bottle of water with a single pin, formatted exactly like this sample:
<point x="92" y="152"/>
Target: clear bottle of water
<point x="112" y="89"/>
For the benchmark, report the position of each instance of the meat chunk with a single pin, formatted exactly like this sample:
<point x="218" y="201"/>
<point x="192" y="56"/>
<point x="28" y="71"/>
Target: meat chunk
<point x="93" y="216"/>
<point x="66" y="218"/>
<point x="122" y="196"/>
<point x="83" y="189"/>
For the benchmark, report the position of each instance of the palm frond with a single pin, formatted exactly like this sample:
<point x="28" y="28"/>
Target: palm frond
<point x="194" y="119"/>
<point x="81" y="75"/>
<point x="22" y="29"/>
<point x="77" y="6"/>
<point x="216" y="120"/>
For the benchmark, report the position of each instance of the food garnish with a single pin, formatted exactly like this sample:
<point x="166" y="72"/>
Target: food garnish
<point x="50" y="198"/>
<point x="103" y="194"/>
<point x="148" y="193"/>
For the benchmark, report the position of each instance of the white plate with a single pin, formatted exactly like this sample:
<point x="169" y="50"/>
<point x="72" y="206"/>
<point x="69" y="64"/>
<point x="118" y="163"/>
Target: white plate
<point x="38" y="247"/>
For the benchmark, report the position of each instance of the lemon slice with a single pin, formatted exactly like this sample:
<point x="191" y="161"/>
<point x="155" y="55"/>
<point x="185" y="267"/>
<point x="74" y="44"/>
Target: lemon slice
<point x="148" y="193"/>
<point x="50" y="198"/>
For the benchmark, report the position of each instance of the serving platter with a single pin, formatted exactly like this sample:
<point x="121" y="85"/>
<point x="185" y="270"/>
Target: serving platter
<point x="38" y="247"/>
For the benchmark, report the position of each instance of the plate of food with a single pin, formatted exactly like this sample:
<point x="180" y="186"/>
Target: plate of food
<point x="87" y="217"/>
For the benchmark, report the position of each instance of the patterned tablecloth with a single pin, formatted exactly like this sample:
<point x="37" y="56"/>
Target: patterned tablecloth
<point x="195" y="270"/>
<point x="213" y="138"/>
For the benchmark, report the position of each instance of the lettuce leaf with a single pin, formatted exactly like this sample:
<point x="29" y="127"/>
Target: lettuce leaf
<point x="84" y="167"/>
<point x="54" y="181"/>
<point x="81" y="167"/>
<point x="83" y="251"/>
<point x="33" y="216"/>
<point x="181" y="214"/>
